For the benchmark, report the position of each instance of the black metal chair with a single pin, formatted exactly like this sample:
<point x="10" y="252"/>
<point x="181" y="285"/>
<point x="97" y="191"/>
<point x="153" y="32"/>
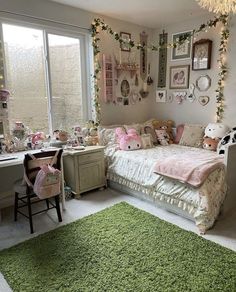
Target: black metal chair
<point x="24" y="194"/>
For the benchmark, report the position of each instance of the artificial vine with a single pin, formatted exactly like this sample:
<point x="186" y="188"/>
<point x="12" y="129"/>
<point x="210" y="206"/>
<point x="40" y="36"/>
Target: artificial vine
<point x="99" y="25"/>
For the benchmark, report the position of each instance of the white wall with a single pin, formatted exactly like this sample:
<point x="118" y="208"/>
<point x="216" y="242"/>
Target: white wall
<point x="56" y="12"/>
<point x="53" y="11"/>
<point x="194" y="112"/>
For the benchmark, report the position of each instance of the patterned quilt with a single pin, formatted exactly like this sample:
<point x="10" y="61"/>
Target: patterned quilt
<point x="135" y="169"/>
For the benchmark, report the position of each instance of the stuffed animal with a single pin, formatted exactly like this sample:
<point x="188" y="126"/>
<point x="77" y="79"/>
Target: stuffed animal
<point x="37" y="137"/>
<point x="163" y="137"/>
<point x="129" y="141"/>
<point x="227" y="140"/>
<point x="216" y="130"/>
<point x="165" y="125"/>
<point x="210" y="144"/>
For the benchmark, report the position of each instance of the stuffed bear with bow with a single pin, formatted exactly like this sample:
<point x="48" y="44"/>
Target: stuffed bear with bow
<point x="128" y="141"/>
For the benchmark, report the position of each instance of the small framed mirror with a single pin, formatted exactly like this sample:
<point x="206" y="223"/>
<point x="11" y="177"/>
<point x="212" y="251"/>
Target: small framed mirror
<point x="125" y="88"/>
<point x="203" y="83"/>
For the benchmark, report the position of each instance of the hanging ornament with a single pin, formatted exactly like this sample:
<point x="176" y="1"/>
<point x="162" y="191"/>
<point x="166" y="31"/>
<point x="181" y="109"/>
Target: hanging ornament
<point x="143" y="55"/>
<point x="149" y="78"/>
<point x="136" y="80"/>
<point x="163" y="38"/>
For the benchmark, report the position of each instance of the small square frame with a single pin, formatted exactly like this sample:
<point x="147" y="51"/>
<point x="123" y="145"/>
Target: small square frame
<point x="183" y="51"/>
<point x="126" y="36"/>
<point x="179" y="77"/>
<point x="160" y="95"/>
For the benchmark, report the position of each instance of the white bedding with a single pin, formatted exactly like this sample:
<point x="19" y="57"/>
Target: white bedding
<point x="134" y="169"/>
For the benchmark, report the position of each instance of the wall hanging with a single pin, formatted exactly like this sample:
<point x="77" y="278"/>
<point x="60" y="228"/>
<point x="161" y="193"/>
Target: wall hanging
<point x="203" y="100"/>
<point x="182" y="50"/>
<point x="143" y="55"/>
<point x="203" y="83"/>
<point x="161" y="96"/>
<point x="108" y="78"/>
<point x="126" y="38"/>
<point x="99" y="25"/>
<point x="191" y="97"/>
<point x="163" y="38"/>
<point x="149" y="78"/>
<point x="201" y="59"/>
<point x="125" y="88"/>
<point x="179" y="96"/>
<point x="179" y="77"/>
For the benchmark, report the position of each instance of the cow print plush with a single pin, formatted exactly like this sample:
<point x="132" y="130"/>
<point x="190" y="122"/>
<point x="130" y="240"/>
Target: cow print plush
<point x="228" y="139"/>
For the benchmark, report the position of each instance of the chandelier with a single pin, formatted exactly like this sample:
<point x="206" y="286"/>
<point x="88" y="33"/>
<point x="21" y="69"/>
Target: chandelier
<point x="219" y="6"/>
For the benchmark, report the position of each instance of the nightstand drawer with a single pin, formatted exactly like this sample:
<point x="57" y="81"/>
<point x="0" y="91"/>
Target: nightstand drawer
<point x="87" y="158"/>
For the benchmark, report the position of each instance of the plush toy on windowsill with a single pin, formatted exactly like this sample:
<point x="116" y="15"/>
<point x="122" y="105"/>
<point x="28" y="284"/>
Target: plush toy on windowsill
<point x="128" y="141"/>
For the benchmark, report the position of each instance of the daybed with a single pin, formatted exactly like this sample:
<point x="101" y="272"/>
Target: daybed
<point x="132" y="172"/>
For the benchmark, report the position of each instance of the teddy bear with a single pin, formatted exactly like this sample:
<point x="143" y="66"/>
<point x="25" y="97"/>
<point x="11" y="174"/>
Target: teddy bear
<point x="165" y="125"/>
<point x="163" y="137"/>
<point x="210" y="144"/>
<point x="128" y="141"/>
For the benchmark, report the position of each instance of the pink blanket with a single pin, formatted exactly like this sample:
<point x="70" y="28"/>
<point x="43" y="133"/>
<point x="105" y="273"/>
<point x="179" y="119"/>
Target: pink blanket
<point x="192" y="168"/>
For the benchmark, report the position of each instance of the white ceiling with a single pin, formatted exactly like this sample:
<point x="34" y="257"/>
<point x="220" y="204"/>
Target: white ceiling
<point x="149" y="13"/>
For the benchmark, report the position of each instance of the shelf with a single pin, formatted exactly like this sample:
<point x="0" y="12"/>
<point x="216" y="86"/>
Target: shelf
<point x="129" y="67"/>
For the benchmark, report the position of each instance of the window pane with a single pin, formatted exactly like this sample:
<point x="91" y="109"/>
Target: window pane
<point x="24" y="51"/>
<point x="65" y="69"/>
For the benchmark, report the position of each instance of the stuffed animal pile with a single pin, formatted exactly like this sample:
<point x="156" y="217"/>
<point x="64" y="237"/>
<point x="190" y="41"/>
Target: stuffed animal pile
<point x="213" y="133"/>
<point x="128" y="141"/>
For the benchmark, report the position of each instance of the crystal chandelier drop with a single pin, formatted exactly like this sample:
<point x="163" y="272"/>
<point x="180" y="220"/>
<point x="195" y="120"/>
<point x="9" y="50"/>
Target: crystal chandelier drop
<point x="219" y="6"/>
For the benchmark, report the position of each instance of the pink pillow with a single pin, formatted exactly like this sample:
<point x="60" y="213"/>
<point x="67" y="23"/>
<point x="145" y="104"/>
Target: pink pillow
<point x="128" y="141"/>
<point x="179" y="133"/>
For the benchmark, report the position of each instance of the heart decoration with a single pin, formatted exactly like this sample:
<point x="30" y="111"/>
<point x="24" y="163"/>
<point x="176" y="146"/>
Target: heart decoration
<point x="203" y="100"/>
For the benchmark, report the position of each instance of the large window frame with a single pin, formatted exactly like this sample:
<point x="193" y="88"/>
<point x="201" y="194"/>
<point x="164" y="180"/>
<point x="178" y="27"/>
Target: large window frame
<point x="86" y="61"/>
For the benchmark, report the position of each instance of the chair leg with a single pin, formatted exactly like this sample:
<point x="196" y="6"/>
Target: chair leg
<point x="30" y="214"/>
<point x="47" y="202"/>
<point x="57" y="201"/>
<point x="16" y="207"/>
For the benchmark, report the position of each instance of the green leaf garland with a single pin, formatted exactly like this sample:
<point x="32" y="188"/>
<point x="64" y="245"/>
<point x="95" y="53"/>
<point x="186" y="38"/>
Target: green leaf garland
<point x="99" y="25"/>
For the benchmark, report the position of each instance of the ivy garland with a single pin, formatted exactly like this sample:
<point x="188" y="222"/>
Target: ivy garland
<point x="99" y="25"/>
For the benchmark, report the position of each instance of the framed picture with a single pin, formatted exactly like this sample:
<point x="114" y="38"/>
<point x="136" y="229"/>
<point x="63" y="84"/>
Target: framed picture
<point x="182" y="51"/>
<point x="179" y="96"/>
<point x="201" y="59"/>
<point x="161" y="96"/>
<point x="179" y="77"/>
<point x="126" y="37"/>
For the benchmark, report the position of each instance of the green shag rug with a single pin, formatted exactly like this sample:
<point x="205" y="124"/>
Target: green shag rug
<point x="119" y="249"/>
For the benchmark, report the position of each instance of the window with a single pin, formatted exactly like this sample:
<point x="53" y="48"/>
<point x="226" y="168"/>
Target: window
<point x="44" y="76"/>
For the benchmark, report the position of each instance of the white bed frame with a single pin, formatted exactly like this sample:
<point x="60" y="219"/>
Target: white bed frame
<point x="230" y="201"/>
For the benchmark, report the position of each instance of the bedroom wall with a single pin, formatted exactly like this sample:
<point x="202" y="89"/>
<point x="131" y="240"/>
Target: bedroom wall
<point x="194" y="112"/>
<point x="53" y="11"/>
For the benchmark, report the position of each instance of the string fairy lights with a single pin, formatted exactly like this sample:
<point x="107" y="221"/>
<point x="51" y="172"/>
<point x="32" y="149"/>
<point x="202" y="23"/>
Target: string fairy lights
<point x="98" y="25"/>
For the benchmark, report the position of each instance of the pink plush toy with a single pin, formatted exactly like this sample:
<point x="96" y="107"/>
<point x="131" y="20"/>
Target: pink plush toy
<point x="129" y="141"/>
<point x="39" y="136"/>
